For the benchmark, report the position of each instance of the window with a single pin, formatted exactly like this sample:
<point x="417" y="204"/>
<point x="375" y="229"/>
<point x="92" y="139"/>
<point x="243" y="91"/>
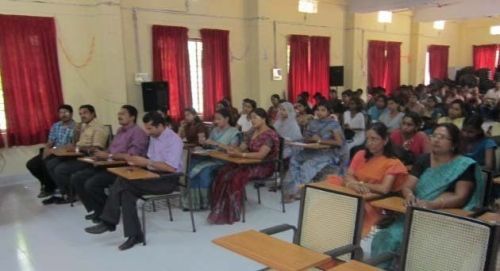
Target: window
<point x="195" y="48"/>
<point x="497" y="56"/>
<point x="3" y="120"/>
<point x="288" y="58"/>
<point x="427" y="76"/>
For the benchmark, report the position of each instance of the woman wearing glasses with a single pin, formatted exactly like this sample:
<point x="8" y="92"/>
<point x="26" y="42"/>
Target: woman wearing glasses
<point x="440" y="180"/>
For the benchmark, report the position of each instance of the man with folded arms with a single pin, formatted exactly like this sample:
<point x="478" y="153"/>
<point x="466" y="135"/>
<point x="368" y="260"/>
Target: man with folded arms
<point x="164" y="156"/>
<point x="92" y="136"/>
<point x="61" y="134"/>
<point x="89" y="184"/>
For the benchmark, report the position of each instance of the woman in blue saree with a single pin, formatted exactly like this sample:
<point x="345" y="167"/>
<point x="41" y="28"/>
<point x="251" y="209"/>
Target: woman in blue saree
<point x="202" y="170"/>
<point x="307" y="163"/>
<point x="440" y="180"/>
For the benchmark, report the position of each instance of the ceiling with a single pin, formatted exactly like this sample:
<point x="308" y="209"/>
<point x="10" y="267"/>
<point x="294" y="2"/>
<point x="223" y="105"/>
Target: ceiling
<point x="431" y="10"/>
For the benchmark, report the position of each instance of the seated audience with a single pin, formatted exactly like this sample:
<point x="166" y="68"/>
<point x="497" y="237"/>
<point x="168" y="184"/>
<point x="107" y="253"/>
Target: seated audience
<point x="476" y="145"/>
<point x="433" y="109"/>
<point x="374" y="170"/>
<point x="409" y="137"/>
<point x="244" y="123"/>
<point x="304" y="114"/>
<point x="203" y="169"/>
<point x="335" y="103"/>
<point x="456" y="114"/>
<point x="452" y="95"/>
<point x="225" y="104"/>
<point x="192" y="128"/>
<point x="354" y="120"/>
<point x="414" y="105"/>
<point x="272" y="112"/>
<point x="60" y="135"/>
<point x="93" y="136"/>
<point x="90" y="184"/>
<point x="287" y="127"/>
<point x="261" y="142"/>
<point x="307" y="163"/>
<point x="378" y="108"/>
<point x="439" y="180"/>
<point x="304" y="96"/>
<point x="346" y="98"/>
<point x="392" y="117"/>
<point x="492" y="96"/>
<point x="164" y="156"/>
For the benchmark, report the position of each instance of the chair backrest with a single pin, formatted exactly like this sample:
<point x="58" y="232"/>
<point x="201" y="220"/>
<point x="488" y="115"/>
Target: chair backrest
<point x="329" y="219"/>
<point x="110" y="134"/>
<point x="488" y="196"/>
<point x="442" y="241"/>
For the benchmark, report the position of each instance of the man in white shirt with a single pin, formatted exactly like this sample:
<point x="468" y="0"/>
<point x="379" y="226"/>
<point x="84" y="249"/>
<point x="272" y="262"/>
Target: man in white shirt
<point x="492" y="97"/>
<point x="244" y="123"/>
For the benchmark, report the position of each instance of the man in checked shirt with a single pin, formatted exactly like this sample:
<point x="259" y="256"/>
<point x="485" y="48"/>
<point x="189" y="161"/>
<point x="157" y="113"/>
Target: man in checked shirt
<point x="61" y="134"/>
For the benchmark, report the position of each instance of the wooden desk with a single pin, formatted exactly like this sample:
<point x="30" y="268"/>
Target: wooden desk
<point x="396" y="204"/>
<point x="272" y="252"/>
<point x="102" y="163"/>
<point x="458" y="212"/>
<point x="354" y="266"/>
<point x="343" y="189"/>
<point x="237" y="160"/>
<point x="189" y="145"/>
<point x="133" y="173"/>
<point x="493" y="218"/>
<point x="496" y="181"/>
<point x="66" y="153"/>
<point x="313" y="146"/>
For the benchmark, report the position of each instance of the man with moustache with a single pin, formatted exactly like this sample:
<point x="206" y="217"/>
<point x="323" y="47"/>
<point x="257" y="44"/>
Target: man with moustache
<point x="92" y="136"/>
<point x="89" y="184"/>
<point x="164" y="156"/>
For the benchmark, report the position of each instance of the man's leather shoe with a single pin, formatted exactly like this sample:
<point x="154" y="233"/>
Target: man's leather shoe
<point x="100" y="228"/>
<point x="52" y="200"/>
<point x="90" y="216"/>
<point x="131" y="241"/>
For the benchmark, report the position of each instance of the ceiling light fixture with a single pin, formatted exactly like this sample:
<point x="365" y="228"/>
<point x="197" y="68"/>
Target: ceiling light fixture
<point x="308" y="6"/>
<point x="438" y="25"/>
<point x="384" y="17"/>
<point x="495" y="30"/>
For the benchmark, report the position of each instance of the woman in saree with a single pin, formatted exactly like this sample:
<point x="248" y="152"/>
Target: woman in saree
<point x="373" y="170"/>
<point x="203" y="169"/>
<point x="261" y="142"/>
<point x="287" y="127"/>
<point x="439" y="180"/>
<point x="307" y="163"/>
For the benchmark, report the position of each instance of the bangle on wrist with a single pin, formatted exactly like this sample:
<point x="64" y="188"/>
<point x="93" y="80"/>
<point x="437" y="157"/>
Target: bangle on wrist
<point x="150" y="165"/>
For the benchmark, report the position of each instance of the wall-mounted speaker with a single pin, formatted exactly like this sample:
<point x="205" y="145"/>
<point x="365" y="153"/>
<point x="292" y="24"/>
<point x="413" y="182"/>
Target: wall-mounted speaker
<point x="155" y="96"/>
<point x="336" y="76"/>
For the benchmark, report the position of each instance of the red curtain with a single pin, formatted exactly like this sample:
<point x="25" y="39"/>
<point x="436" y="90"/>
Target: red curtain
<point x="484" y="57"/>
<point x="298" y="75"/>
<point x="320" y="65"/>
<point x="30" y="77"/>
<point x="171" y="64"/>
<point x="438" y="61"/>
<point x="376" y="63"/>
<point x="392" y="67"/>
<point x="384" y="63"/>
<point x="216" y="73"/>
